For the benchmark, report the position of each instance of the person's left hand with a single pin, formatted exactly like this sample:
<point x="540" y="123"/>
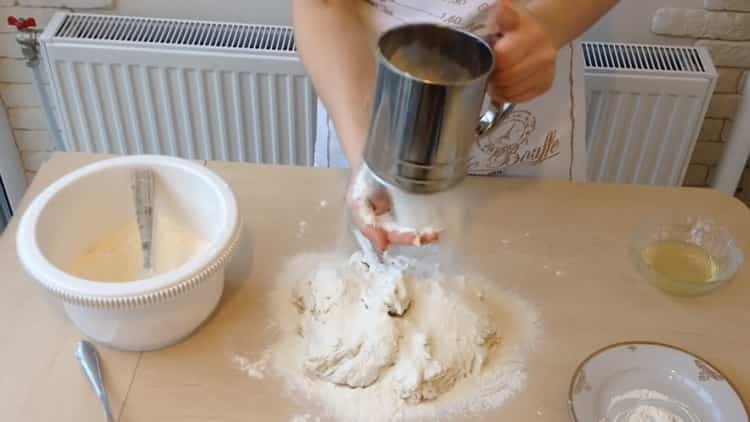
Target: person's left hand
<point x="366" y="201"/>
<point x="525" y="54"/>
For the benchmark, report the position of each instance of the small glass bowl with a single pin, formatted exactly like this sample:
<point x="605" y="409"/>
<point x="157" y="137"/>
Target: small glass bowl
<point x="713" y="238"/>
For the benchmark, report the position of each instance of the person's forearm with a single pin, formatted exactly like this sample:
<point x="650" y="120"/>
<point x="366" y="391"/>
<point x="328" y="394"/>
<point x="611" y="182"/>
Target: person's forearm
<point x="337" y="52"/>
<point x="567" y="19"/>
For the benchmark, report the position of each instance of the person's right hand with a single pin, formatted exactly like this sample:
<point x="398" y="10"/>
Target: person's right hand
<point x="366" y="202"/>
<point x="525" y="54"/>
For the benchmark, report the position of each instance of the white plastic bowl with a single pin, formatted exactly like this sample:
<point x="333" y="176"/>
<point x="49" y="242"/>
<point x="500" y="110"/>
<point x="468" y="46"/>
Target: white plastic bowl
<point x="75" y="212"/>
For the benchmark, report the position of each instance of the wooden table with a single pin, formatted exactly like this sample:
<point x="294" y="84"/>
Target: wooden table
<point x="564" y="246"/>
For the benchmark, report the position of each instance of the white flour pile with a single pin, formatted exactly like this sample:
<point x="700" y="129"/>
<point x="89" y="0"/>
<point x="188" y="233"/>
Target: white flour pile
<point x="643" y="405"/>
<point x="398" y="341"/>
<point x="645" y="413"/>
<point x="118" y="256"/>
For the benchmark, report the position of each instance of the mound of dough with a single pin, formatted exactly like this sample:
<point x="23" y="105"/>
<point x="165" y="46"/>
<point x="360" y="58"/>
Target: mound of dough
<point x="361" y="322"/>
<point x="350" y="336"/>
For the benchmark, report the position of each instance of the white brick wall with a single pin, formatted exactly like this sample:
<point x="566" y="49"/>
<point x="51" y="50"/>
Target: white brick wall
<point x="707" y="153"/>
<point x="16" y="89"/>
<point x="696" y="175"/>
<point x="19" y="95"/>
<point x="8" y="46"/>
<point x="699" y="23"/>
<point x="72" y="4"/>
<point x="729" y="80"/>
<point x="27" y="118"/>
<point x="728" y="53"/>
<point x="726" y="131"/>
<point x="734" y="5"/>
<point x="723" y="106"/>
<point x="722" y="27"/>
<point x="14" y="71"/>
<point x="33" y="160"/>
<point x="33" y="140"/>
<point x="711" y="130"/>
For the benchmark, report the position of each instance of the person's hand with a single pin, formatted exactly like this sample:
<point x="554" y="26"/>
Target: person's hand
<point x="525" y="53"/>
<point x="366" y="202"/>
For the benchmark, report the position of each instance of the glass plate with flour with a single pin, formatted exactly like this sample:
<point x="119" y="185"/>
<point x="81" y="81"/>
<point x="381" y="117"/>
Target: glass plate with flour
<point x="651" y="382"/>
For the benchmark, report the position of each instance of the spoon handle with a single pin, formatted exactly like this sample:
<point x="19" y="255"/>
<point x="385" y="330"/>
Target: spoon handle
<point x="89" y="361"/>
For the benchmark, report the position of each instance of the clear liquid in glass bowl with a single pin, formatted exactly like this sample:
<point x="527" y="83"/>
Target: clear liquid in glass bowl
<point x="686" y="256"/>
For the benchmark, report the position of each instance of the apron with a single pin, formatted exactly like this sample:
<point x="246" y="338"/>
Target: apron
<point x="543" y="137"/>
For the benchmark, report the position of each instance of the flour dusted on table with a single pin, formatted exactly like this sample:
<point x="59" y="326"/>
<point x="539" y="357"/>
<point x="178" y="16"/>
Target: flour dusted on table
<point x="399" y="340"/>
<point x="254" y="369"/>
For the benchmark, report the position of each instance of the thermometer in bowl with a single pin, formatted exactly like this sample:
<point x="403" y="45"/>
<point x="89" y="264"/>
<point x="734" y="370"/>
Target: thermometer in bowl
<point x="143" y="191"/>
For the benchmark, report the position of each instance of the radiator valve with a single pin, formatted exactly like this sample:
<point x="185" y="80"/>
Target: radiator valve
<point x="22" y="23"/>
<point x="27" y="38"/>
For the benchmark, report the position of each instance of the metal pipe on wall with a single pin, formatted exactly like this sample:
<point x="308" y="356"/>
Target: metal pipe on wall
<point x="737" y="149"/>
<point x="28" y="39"/>
<point x="44" y="99"/>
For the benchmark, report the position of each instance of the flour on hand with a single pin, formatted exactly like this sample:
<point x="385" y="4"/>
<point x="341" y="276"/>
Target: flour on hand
<point x="421" y="215"/>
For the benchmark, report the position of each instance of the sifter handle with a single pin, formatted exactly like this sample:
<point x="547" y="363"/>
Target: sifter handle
<point x="493" y="116"/>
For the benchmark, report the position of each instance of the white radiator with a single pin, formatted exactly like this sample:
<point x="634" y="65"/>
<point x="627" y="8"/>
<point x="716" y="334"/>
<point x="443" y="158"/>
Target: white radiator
<point x="645" y="108"/>
<point x="199" y="90"/>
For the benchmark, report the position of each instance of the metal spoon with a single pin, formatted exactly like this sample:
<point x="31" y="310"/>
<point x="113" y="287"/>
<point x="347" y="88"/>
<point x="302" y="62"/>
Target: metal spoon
<point x="89" y="361"/>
